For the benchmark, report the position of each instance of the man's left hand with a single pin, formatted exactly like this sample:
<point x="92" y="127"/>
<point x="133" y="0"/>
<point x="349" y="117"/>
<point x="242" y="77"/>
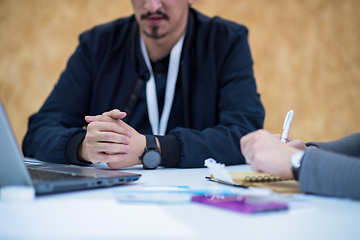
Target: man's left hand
<point x="137" y="141"/>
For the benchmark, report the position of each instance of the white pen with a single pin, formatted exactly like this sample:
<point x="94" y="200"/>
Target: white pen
<point x="287" y="124"/>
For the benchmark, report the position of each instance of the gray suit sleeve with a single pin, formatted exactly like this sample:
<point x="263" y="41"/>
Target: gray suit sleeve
<point x="349" y="145"/>
<point x="333" y="169"/>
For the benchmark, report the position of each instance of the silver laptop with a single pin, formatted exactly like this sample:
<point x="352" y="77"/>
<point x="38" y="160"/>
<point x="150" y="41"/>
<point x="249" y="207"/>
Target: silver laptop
<point x="46" y="177"/>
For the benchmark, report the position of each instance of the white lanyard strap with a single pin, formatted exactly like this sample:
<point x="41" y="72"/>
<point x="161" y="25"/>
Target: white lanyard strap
<point x="151" y="94"/>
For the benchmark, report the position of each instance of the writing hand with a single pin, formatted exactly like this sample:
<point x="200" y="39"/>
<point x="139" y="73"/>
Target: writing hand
<point x="296" y="143"/>
<point x="267" y="153"/>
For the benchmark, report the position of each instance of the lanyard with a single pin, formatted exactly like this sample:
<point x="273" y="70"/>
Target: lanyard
<point x="159" y="128"/>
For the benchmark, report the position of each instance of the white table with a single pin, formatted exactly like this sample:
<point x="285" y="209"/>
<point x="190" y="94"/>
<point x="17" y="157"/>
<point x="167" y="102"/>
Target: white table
<point x="96" y="214"/>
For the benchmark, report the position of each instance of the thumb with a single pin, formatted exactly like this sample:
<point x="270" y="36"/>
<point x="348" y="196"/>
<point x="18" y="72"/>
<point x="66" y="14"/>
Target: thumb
<point x="89" y="119"/>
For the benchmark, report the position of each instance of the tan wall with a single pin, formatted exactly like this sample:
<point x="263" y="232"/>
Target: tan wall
<point x="306" y="54"/>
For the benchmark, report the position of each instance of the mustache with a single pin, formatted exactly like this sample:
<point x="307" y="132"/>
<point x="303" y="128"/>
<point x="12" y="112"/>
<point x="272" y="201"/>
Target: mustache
<point x="158" y="12"/>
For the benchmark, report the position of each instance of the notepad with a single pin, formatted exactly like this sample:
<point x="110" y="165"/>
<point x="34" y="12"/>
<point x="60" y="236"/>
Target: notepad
<point x="220" y="174"/>
<point x="263" y="180"/>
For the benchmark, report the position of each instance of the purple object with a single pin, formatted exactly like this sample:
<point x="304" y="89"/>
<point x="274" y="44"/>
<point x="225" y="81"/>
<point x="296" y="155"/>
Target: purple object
<point x="239" y="205"/>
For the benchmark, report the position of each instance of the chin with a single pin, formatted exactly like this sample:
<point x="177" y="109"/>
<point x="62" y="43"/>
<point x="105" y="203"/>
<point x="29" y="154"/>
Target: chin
<point x="155" y="35"/>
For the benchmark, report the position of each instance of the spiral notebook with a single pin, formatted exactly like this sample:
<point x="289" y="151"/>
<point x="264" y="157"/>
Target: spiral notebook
<point x="263" y="180"/>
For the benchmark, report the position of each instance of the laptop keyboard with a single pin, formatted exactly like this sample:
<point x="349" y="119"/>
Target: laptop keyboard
<point x="47" y="175"/>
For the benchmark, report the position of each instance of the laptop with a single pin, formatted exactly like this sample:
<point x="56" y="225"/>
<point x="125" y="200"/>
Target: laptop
<point x="48" y="178"/>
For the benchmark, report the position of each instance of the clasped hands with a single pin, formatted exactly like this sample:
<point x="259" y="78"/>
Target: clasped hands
<point x="268" y="154"/>
<point x="109" y="139"/>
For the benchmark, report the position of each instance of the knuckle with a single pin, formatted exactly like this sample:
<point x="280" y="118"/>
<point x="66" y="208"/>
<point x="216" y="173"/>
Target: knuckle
<point x="93" y="157"/>
<point x="107" y="147"/>
<point x="122" y="148"/>
<point x="114" y="127"/>
<point x="90" y="126"/>
<point x="113" y="165"/>
<point x="107" y="157"/>
<point x="109" y="137"/>
<point x="255" y="166"/>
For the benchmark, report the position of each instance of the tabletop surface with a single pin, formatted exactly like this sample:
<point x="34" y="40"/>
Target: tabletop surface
<point x="98" y="214"/>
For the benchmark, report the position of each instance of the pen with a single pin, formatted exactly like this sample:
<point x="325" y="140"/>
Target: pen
<point x="287" y="124"/>
<point x="226" y="183"/>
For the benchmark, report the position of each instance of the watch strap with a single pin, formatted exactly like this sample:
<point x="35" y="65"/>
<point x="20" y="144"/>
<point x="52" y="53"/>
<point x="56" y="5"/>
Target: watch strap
<point x="151" y="157"/>
<point x="151" y="142"/>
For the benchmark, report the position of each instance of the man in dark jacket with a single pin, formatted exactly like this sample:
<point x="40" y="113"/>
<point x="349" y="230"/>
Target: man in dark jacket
<point x="183" y="82"/>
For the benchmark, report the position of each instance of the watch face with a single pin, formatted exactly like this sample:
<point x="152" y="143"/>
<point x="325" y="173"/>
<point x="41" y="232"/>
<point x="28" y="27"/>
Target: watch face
<point x="151" y="159"/>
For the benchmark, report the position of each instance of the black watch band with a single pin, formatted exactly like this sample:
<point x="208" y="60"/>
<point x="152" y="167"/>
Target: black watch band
<point x="295" y="172"/>
<point x="151" y="142"/>
<point x="151" y="157"/>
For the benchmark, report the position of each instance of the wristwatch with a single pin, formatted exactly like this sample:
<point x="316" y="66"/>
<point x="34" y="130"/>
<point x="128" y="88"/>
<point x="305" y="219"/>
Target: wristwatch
<point x="151" y="157"/>
<point x="296" y="163"/>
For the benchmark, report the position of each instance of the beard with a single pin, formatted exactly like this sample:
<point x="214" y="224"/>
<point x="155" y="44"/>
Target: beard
<point x="154" y="33"/>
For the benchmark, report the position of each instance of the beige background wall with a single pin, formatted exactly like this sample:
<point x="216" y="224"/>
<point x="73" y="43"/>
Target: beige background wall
<point x="306" y="54"/>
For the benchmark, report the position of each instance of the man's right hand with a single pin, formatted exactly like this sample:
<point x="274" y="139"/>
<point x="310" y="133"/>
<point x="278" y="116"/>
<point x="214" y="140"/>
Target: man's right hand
<point x="296" y="143"/>
<point x="266" y="153"/>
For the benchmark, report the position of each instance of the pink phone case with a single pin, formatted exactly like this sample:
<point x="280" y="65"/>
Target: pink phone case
<point x="239" y="205"/>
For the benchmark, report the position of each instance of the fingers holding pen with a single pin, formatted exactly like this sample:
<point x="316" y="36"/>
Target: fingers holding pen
<point x="256" y="147"/>
<point x="297" y="143"/>
<point x="246" y="146"/>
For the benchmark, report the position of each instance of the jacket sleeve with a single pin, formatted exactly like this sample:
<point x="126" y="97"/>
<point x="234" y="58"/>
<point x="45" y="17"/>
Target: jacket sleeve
<point x="238" y="106"/>
<point x="328" y="173"/>
<point x="57" y="129"/>
<point x="349" y="145"/>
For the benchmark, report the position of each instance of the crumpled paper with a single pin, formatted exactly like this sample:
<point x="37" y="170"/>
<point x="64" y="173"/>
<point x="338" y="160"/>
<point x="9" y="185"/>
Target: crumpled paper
<point x="218" y="171"/>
